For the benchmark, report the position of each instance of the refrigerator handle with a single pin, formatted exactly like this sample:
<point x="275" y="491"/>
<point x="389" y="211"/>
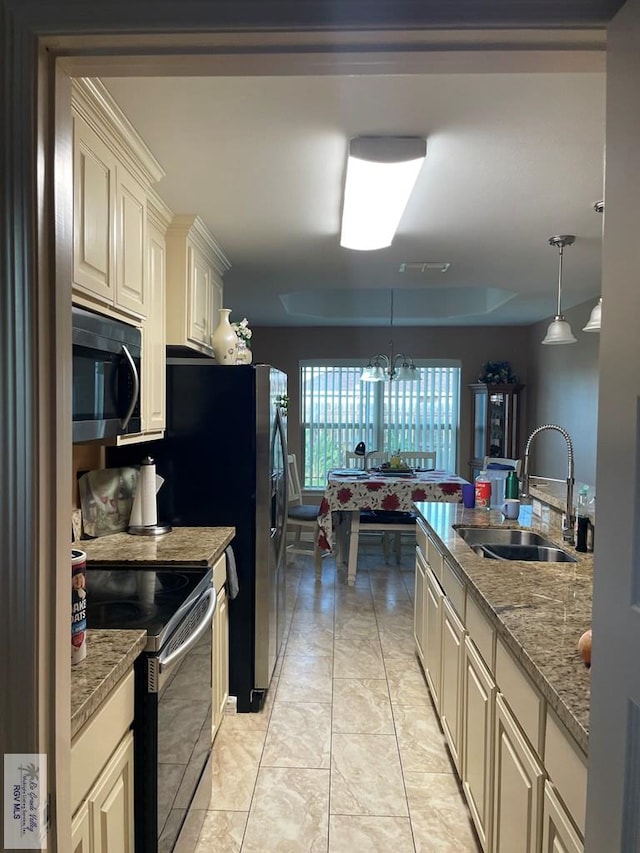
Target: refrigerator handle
<point x="281" y="436"/>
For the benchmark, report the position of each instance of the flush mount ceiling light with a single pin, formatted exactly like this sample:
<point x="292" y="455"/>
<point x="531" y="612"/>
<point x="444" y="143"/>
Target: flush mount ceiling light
<point x="392" y="366"/>
<point x="593" y="325"/>
<point x="381" y="172"/>
<point x="424" y="266"/>
<point x="559" y="331"/>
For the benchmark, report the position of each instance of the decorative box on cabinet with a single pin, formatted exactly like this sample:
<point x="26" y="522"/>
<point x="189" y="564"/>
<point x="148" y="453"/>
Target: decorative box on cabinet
<point x="112" y="173"/>
<point x="195" y="267"/>
<point x="495" y="422"/>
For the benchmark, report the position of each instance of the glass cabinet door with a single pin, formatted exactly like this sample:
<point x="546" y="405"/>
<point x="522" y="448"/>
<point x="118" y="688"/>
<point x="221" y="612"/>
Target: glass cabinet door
<point x="495" y="423"/>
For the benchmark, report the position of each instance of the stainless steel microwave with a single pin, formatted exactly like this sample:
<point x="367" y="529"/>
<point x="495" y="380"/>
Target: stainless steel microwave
<point x="106" y="376"/>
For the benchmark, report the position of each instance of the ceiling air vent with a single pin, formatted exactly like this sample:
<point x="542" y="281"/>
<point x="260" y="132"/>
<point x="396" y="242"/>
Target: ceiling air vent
<point x="425" y="266"/>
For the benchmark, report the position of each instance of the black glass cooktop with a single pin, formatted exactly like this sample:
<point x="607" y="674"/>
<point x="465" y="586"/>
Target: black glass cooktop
<point x="144" y="598"/>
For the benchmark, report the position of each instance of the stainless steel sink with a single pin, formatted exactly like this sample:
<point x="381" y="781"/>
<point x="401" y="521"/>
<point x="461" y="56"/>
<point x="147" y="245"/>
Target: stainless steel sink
<point x="533" y="553"/>
<point x="500" y="543"/>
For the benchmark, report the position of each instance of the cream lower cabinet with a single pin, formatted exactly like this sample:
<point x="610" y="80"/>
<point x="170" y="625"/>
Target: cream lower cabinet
<point x="102" y="777"/>
<point x="220" y="657"/>
<point x="451" y="680"/>
<point x="418" y="614"/>
<point x="517" y="790"/>
<point x="111" y="803"/>
<point x="479" y="692"/>
<point x="433" y="635"/>
<point x="558" y="834"/>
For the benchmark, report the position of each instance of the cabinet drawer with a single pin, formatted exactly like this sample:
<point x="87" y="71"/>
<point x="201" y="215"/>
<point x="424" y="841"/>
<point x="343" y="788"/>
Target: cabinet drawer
<point x="434" y="558"/>
<point x="525" y="701"/>
<point x="567" y="769"/>
<point x="220" y="573"/>
<point x="481" y="632"/>
<point x="421" y="538"/>
<point x="454" y="588"/>
<point x="98" y="739"/>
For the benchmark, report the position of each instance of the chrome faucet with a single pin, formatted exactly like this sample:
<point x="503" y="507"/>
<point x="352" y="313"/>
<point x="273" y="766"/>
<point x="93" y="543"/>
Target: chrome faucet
<point x="567" y="523"/>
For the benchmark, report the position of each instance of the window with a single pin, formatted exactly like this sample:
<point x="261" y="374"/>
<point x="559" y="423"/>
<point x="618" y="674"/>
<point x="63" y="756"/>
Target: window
<point x="338" y="411"/>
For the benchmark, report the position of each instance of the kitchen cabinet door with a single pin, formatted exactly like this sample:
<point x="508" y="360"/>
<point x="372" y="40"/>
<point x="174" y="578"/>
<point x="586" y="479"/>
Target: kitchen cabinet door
<point x="80" y="830"/>
<point x="200" y="299"/>
<point x="154" y="397"/>
<point x="558" y="834"/>
<point x="479" y="692"/>
<point x="418" y="606"/>
<point x="111" y="803"/>
<point x="518" y="786"/>
<point x="451" y="681"/>
<point x="94" y="199"/>
<point x="131" y="227"/>
<point x="433" y="635"/>
<point x="221" y="659"/>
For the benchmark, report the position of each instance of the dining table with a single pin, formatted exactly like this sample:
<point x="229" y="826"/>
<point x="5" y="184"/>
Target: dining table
<point x="348" y="492"/>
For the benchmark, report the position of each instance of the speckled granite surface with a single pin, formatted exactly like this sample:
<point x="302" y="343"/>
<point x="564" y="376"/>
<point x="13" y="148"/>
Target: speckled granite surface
<point x="540" y="610"/>
<point x="110" y="654"/>
<point x="193" y="545"/>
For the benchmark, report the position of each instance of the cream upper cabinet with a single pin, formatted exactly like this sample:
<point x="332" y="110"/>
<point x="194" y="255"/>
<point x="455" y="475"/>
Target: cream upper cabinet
<point x="112" y="173"/>
<point x="195" y="269"/>
<point x="94" y="199"/>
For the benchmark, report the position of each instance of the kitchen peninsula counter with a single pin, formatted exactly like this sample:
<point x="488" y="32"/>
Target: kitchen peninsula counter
<point x="539" y="610"/>
<point x="110" y="655"/>
<point x="198" y="546"/>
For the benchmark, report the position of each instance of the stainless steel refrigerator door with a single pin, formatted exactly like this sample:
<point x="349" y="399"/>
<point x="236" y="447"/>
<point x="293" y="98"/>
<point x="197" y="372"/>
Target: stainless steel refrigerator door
<point x="271" y="517"/>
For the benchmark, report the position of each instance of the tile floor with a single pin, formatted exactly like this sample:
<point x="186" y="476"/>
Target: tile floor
<point x="347" y="755"/>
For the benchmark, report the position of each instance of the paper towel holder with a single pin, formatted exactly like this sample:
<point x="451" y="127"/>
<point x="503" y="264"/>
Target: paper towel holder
<point x="149" y="529"/>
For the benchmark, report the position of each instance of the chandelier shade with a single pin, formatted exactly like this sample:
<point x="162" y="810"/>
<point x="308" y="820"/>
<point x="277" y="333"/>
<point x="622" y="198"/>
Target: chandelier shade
<point x="559" y="331"/>
<point x="593" y="324"/>
<point x="381" y="173"/>
<point x="392" y="366"/>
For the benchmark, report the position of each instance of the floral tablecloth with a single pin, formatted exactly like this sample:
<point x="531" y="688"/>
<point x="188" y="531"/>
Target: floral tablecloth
<point x="383" y="492"/>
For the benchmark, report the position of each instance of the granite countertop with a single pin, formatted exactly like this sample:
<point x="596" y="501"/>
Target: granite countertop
<point x="200" y="546"/>
<point x="110" y="654"/>
<point x="540" y="610"/>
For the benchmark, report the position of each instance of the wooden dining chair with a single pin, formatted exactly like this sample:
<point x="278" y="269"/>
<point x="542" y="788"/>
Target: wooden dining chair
<point x="369" y="460"/>
<point x="418" y="458"/>
<point x="301" y="517"/>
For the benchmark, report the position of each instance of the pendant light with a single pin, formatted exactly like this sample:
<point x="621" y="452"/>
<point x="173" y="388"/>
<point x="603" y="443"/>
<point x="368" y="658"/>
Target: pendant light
<point x="596" y="312"/>
<point x="559" y="331"/>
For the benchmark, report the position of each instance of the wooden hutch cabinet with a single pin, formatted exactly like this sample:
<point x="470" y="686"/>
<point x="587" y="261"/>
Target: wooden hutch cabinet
<point x="495" y="423"/>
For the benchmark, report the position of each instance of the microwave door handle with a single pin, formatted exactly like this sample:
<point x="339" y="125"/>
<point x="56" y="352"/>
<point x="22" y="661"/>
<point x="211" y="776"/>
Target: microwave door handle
<point x="165" y="660"/>
<point x="124" y="423"/>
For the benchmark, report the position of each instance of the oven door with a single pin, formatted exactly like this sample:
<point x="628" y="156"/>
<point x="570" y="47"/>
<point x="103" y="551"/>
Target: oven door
<point x="173" y="727"/>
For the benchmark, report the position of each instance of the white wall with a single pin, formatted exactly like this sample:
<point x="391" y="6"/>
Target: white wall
<point x="563" y="390"/>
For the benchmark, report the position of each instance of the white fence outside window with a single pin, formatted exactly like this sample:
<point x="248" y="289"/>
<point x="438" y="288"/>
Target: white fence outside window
<point x="338" y="411"/>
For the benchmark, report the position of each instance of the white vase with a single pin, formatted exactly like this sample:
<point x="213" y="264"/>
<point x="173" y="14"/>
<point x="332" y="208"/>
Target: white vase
<point x="224" y="340"/>
<point x="244" y="354"/>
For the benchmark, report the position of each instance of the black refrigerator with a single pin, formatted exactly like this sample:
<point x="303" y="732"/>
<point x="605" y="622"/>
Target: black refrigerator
<point x="224" y="462"/>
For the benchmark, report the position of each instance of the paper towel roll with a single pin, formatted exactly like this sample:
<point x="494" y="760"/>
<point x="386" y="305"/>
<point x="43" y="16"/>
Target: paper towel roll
<point x="144" y="511"/>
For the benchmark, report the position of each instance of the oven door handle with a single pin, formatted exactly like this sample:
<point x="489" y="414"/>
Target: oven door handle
<point x="165" y="661"/>
<point x="124" y="423"/>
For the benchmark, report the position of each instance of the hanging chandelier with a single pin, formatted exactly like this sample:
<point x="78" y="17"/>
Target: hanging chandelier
<point x="392" y="366"/>
<point x="559" y="331"/>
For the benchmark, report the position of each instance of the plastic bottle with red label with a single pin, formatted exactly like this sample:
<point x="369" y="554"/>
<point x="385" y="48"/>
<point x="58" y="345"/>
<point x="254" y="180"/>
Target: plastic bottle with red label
<point x="483" y="491"/>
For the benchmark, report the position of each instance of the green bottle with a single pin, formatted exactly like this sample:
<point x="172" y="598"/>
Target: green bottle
<point x="512" y="486"/>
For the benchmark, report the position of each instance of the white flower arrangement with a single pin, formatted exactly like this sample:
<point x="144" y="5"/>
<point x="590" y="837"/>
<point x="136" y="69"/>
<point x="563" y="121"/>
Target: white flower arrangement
<point x="243" y="331"/>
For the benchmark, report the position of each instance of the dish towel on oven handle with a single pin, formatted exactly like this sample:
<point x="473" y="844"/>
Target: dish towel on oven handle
<point x="232" y="574"/>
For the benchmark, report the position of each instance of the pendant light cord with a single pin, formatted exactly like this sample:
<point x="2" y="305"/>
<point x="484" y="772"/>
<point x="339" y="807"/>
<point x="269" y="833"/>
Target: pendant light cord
<point x="559" y="311"/>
